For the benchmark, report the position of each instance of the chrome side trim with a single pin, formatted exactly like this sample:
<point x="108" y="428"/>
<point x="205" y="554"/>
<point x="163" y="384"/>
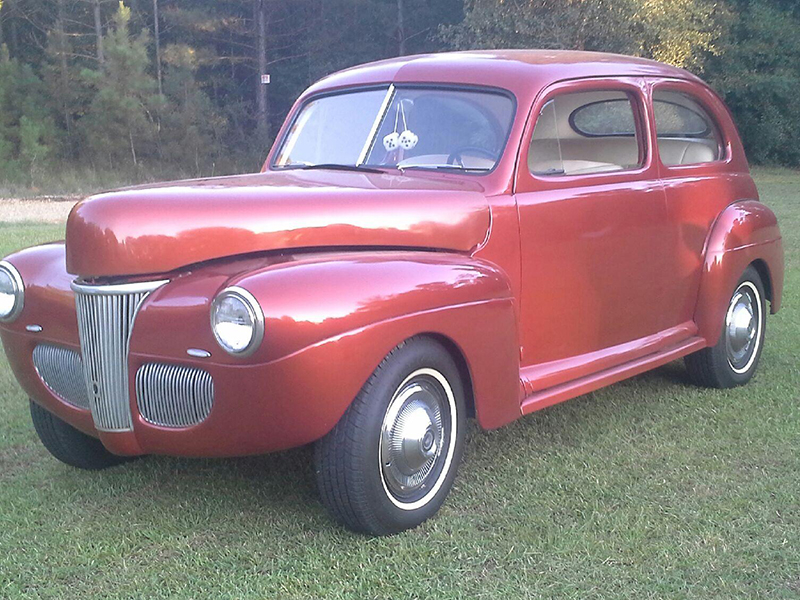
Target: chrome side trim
<point x="174" y="396"/>
<point x="61" y="371"/>
<point x="106" y="316"/>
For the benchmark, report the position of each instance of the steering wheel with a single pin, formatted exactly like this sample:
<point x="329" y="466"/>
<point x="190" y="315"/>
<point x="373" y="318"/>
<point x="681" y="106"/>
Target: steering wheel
<point x="457" y="156"/>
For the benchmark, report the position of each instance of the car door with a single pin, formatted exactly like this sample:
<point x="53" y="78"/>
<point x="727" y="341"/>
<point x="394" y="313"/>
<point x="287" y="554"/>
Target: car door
<point x="700" y="177"/>
<point x="595" y="238"/>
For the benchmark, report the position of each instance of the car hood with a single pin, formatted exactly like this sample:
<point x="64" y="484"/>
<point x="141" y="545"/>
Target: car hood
<point x="161" y="228"/>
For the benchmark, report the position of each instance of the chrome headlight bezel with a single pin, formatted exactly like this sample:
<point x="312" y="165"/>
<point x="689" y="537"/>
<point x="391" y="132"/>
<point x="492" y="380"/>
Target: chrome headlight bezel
<point x="256" y="315"/>
<point x="19" y="292"/>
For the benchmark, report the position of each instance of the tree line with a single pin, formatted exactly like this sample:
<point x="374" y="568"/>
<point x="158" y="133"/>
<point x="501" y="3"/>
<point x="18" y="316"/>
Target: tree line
<point x="157" y="88"/>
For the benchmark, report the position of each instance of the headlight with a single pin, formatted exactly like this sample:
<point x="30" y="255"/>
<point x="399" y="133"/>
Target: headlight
<point x="12" y="292"/>
<point x="237" y="321"/>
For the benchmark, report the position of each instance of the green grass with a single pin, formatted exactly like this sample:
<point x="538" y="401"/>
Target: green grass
<point x="651" y="488"/>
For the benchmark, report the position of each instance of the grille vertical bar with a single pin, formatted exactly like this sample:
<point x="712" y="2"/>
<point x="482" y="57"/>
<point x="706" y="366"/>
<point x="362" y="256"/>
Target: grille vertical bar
<point x="61" y="370"/>
<point x="174" y="396"/>
<point x="106" y="315"/>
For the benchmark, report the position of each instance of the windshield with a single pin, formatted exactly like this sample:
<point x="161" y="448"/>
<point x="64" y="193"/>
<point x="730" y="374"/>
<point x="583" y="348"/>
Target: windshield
<point x="423" y="128"/>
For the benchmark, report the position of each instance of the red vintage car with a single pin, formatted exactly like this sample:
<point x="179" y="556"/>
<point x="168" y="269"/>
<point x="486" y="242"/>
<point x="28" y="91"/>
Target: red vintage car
<point x="434" y="238"/>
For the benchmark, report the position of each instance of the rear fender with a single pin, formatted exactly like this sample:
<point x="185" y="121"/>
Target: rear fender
<point x="745" y="233"/>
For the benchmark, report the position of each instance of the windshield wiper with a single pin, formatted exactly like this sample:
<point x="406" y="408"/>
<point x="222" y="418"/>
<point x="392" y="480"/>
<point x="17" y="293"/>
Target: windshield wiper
<point x="444" y="168"/>
<point x="337" y="167"/>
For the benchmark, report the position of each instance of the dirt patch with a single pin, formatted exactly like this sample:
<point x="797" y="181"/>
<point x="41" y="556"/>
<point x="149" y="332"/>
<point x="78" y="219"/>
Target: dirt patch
<point x="41" y="210"/>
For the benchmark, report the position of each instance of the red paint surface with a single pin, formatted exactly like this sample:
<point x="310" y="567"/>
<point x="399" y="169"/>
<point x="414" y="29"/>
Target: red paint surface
<point x="160" y="229"/>
<point x="547" y="288"/>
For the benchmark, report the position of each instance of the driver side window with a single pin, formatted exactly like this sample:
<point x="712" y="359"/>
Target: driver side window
<point x="585" y="133"/>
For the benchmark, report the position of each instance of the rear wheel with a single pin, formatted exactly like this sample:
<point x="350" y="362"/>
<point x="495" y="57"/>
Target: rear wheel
<point x="390" y="462"/>
<point x="734" y="359"/>
<point x="69" y="445"/>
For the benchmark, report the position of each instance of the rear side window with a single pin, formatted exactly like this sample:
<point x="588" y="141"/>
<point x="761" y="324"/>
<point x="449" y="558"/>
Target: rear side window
<point x="687" y="134"/>
<point x="586" y="133"/>
<point x="606" y="118"/>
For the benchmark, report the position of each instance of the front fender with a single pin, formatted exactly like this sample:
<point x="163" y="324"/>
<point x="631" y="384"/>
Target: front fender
<point x="50" y="308"/>
<point x="330" y="319"/>
<point x="745" y="233"/>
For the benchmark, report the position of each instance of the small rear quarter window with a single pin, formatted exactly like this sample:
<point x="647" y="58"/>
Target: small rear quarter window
<point x="675" y="120"/>
<point x="687" y="133"/>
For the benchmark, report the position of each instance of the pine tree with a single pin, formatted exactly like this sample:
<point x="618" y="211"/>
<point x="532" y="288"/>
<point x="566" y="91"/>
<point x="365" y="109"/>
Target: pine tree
<point x="191" y="129"/>
<point x="28" y="133"/>
<point x="120" y="125"/>
<point x="98" y="97"/>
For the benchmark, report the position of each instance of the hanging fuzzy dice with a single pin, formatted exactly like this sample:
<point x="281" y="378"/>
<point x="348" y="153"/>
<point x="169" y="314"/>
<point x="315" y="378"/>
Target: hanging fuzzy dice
<point x="391" y="142"/>
<point x="408" y="139"/>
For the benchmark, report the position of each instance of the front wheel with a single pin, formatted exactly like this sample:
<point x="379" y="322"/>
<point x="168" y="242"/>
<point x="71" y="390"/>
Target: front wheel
<point x="390" y="462"/>
<point x="733" y="361"/>
<point x="70" y="446"/>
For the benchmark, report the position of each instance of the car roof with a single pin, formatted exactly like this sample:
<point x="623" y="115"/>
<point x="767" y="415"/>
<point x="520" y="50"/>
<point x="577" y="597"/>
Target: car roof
<point x="514" y="70"/>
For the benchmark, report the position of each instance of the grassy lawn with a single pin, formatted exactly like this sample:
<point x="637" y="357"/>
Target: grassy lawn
<point x="651" y="488"/>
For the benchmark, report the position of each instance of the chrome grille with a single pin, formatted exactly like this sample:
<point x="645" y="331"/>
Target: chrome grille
<point x="105" y="320"/>
<point x="173" y="396"/>
<point x="61" y="371"/>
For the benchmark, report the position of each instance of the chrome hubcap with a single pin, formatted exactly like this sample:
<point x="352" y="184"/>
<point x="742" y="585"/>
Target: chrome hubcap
<point x="416" y="445"/>
<point x="743" y="327"/>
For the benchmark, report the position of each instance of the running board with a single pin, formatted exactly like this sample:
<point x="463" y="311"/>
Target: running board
<point x="590" y="383"/>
